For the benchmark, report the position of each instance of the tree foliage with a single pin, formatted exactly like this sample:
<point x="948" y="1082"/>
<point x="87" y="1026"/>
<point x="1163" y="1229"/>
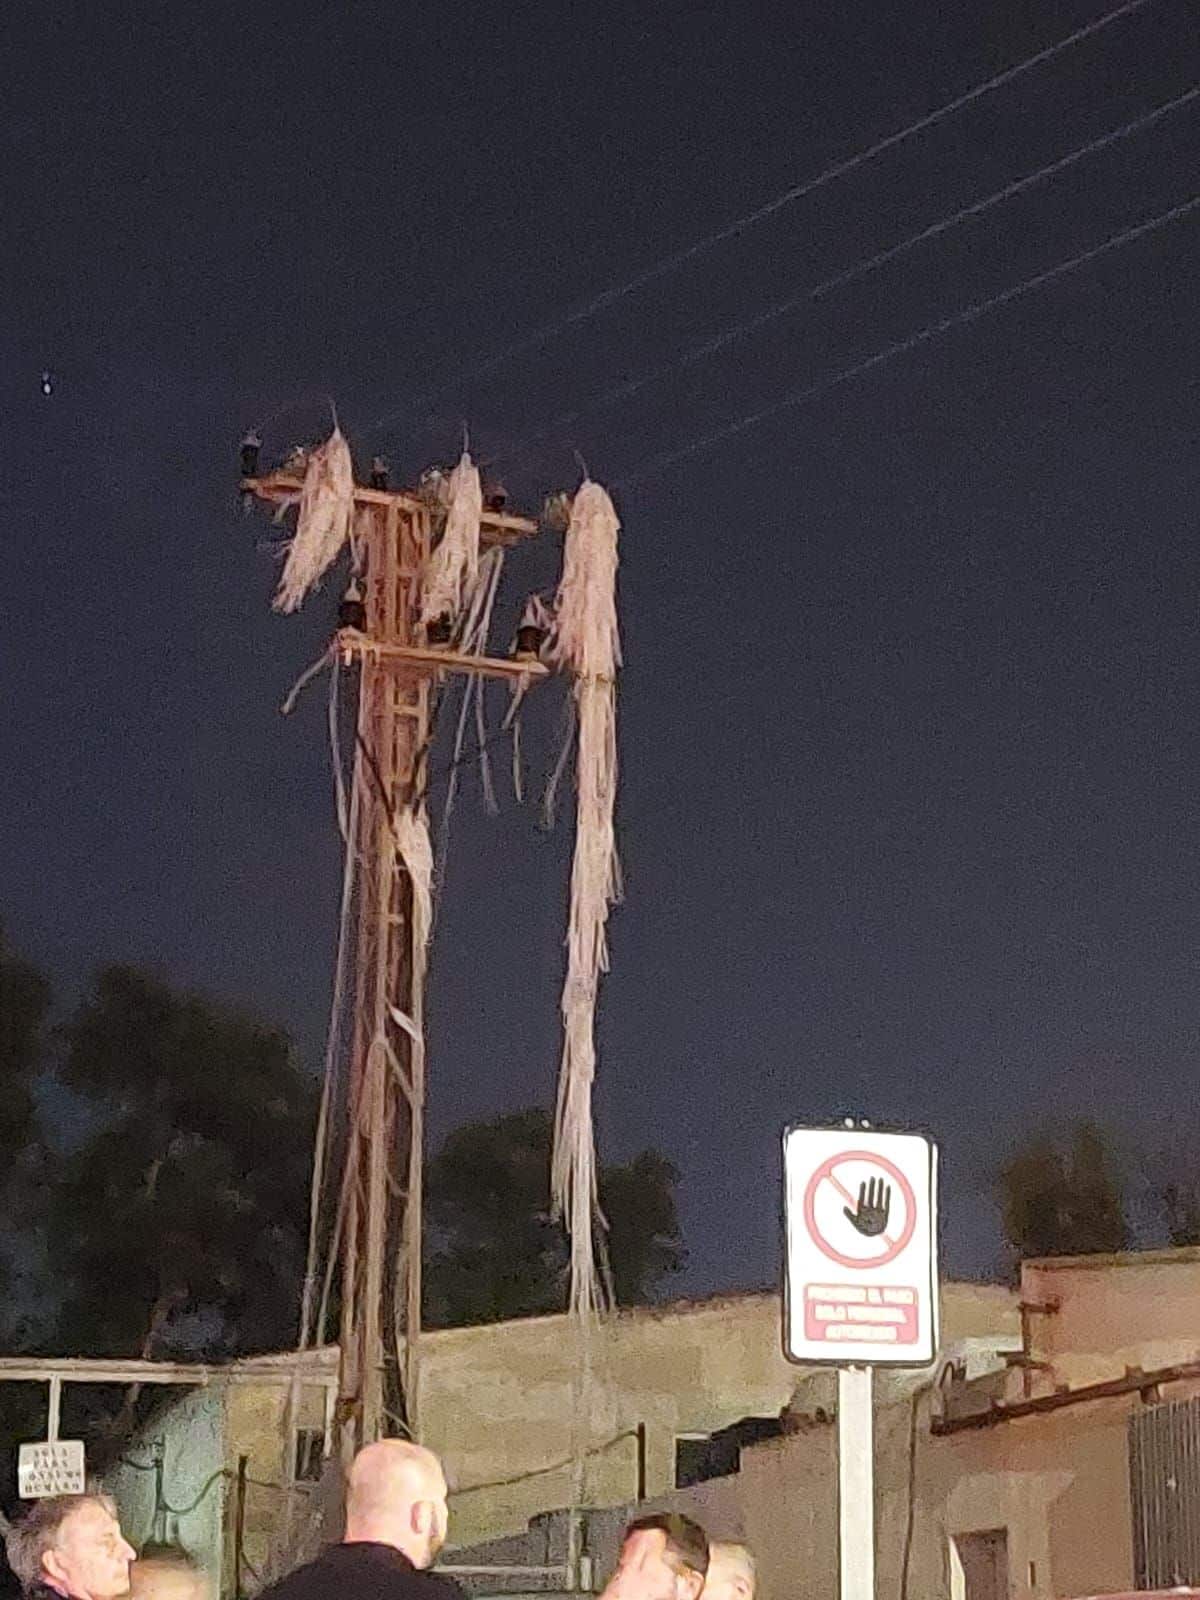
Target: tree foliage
<point x="644" y="1243"/>
<point x="1175" y="1187"/>
<point x="24" y="1007"/>
<point x="1064" y="1196"/>
<point x="1179" y="1201"/>
<point x="177" y="1223"/>
<point x="495" y="1252"/>
<point x="24" y="1004"/>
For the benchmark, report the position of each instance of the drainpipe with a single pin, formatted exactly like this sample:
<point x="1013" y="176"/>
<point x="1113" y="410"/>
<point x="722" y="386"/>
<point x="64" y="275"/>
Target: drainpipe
<point x="239" y="1525"/>
<point x="160" y="1496"/>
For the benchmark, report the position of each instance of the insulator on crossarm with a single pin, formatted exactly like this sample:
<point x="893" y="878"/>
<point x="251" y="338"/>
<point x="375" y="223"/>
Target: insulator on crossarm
<point x="352" y="612"/>
<point x="532" y="631"/>
<point x="251" y="445"/>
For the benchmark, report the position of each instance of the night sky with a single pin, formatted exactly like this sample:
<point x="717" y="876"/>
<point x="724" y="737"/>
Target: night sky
<point x="909" y="721"/>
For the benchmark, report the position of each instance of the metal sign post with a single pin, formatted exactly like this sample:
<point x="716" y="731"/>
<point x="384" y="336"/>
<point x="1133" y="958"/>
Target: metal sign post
<point x="856" y="1483"/>
<point x="861" y="1292"/>
<point x="54" y="1408"/>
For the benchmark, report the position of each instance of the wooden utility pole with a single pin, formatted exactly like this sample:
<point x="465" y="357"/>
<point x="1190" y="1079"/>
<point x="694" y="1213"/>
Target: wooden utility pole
<point x="378" y="1236"/>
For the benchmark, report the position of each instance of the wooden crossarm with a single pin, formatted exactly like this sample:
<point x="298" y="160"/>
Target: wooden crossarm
<point x="495" y="527"/>
<point x="350" y="642"/>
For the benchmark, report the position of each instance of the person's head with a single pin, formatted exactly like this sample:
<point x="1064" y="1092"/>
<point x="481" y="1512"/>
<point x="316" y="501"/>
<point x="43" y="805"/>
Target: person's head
<point x="731" y="1574"/>
<point x="165" y="1572"/>
<point x="72" y="1543"/>
<point x="664" y="1557"/>
<point x="396" y="1495"/>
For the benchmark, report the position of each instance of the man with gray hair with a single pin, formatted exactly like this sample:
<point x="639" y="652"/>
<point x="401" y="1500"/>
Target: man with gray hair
<point x="70" y="1546"/>
<point x="167" y="1572"/>
<point x="731" y="1573"/>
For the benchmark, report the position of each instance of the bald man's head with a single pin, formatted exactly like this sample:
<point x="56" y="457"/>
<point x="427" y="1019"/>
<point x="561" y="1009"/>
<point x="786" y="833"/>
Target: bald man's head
<point x="731" y="1574"/>
<point x="396" y="1495"/>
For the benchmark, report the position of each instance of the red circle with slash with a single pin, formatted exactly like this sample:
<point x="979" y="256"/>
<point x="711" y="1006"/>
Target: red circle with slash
<point x="826" y="1173"/>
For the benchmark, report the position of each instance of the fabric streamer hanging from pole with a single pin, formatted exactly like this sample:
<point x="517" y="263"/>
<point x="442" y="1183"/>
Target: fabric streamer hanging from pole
<point x="416" y="852"/>
<point x="323" y="523"/>
<point x="587" y="644"/>
<point x="450" y="575"/>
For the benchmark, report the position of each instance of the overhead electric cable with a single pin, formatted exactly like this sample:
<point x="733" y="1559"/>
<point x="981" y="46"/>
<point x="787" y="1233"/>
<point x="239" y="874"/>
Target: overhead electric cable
<point x="900" y="347"/>
<point x="549" y="330"/>
<point x="740" y="330"/>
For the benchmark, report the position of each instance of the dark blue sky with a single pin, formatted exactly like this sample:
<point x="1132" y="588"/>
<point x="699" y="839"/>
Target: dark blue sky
<point x="909" y="724"/>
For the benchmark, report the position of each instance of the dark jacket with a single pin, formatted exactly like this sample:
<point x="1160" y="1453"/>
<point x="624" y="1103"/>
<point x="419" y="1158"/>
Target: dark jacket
<point x="42" y="1591"/>
<point x="362" y="1572"/>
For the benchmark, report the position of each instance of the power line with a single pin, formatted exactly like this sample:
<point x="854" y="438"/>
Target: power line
<point x="740" y="330"/>
<point x="541" y="1472"/>
<point x="183" y="1511"/>
<point x="932" y="331"/>
<point x="667" y="264"/>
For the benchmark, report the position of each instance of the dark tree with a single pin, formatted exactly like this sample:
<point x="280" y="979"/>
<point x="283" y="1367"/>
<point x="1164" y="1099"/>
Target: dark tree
<point x="1174" y="1188"/>
<point x="644" y="1244"/>
<point x="177" y="1225"/>
<point x="1179" y="1202"/>
<point x="24" y="1006"/>
<point x="1063" y="1196"/>
<point x="495" y="1252"/>
<point x="24" y="1003"/>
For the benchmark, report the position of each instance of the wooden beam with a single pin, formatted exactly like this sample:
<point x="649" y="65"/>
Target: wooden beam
<point x="1133" y="1382"/>
<point x="351" y="642"/>
<point x="496" y="527"/>
<point x="79" y="1369"/>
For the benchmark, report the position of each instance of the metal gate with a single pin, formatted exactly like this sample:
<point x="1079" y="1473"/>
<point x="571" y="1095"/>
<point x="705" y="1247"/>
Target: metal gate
<point x="1164" y="1476"/>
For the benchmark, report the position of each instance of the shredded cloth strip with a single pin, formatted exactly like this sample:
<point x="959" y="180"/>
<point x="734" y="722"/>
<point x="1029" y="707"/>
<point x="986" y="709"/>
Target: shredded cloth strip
<point x="449" y="577"/>
<point x="322" y="524"/>
<point x="586" y="644"/>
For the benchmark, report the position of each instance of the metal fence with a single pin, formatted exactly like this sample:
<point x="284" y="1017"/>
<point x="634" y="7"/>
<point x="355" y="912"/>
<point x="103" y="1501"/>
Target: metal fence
<point x="1164" y="1476"/>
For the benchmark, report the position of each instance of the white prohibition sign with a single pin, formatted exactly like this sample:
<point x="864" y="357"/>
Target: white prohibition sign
<point x="861" y="1278"/>
<point x="845" y="1186"/>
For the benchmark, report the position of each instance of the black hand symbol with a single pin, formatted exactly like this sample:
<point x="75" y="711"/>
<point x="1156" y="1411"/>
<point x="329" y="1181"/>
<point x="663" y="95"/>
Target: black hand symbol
<point x="870" y="1216"/>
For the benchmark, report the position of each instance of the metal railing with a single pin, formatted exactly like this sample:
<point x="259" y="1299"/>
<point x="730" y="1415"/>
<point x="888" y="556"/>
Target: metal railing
<point x="1164" y="1475"/>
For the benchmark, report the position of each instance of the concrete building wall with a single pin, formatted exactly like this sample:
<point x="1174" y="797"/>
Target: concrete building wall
<point x="1057" y="1485"/>
<point x="194" y="1488"/>
<point x="498" y="1403"/>
<point x="1058" y="1482"/>
<point x="202" y="1435"/>
<point x="789" y="1511"/>
<point x="1113" y="1312"/>
<point x="255" y="1427"/>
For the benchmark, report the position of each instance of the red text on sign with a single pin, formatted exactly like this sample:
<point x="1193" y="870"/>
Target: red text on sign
<point x="853" y="1313"/>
